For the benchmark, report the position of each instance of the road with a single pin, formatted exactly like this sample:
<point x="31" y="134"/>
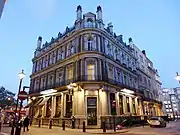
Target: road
<point x="172" y="128"/>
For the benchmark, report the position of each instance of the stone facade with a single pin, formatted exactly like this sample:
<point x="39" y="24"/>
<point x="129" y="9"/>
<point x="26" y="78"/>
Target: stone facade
<point x="87" y="72"/>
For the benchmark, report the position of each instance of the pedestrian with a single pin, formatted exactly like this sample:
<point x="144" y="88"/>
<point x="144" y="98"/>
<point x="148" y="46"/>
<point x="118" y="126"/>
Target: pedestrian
<point x="73" y="122"/>
<point x="31" y="119"/>
<point x="26" y="123"/>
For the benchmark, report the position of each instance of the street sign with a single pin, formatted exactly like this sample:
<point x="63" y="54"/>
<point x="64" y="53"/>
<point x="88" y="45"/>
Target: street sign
<point x="22" y="95"/>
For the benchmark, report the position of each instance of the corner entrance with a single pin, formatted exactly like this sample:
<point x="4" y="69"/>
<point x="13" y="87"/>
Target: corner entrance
<point x="92" y="110"/>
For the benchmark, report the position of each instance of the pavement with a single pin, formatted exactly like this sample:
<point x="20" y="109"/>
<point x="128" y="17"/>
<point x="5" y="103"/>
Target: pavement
<point x="173" y="128"/>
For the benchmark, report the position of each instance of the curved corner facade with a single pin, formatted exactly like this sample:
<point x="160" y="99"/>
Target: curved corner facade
<point x="87" y="72"/>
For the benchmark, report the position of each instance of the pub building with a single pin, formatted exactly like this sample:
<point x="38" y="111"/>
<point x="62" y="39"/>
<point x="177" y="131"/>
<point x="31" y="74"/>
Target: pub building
<point x="87" y="73"/>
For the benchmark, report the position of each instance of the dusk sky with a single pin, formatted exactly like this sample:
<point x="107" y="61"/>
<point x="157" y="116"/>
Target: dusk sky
<point x="154" y="25"/>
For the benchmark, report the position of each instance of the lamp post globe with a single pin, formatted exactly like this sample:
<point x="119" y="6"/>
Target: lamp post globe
<point x="22" y="74"/>
<point x="177" y="77"/>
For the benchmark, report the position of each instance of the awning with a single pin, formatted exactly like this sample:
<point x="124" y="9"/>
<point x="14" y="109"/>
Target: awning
<point x="34" y="103"/>
<point x="38" y="102"/>
<point x="44" y="100"/>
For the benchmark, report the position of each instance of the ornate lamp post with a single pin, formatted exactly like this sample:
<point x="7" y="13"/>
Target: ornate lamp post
<point x="21" y="77"/>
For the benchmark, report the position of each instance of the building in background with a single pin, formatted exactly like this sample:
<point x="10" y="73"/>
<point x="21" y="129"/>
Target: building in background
<point x="149" y="82"/>
<point x="171" y="102"/>
<point x="90" y="73"/>
<point x="2" y="3"/>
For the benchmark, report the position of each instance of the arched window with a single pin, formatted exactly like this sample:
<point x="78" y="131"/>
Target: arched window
<point x="89" y="23"/>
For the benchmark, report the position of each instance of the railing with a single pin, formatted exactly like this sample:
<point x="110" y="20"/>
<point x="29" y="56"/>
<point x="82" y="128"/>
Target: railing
<point x="89" y="78"/>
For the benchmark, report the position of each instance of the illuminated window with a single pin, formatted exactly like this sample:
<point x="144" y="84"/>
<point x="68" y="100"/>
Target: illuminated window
<point x="121" y="104"/>
<point x="58" y="106"/>
<point x="49" y="107"/>
<point x="134" y="106"/>
<point x="127" y="103"/>
<point x="70" y="73"/>
<point x="91" y="71"/>
<point x="113" y="103"/>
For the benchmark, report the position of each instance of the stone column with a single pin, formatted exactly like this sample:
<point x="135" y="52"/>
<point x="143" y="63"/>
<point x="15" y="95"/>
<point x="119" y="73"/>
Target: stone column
<point x="108" y="103"/>
<point x="79" y="106"/>
<point x="131" y="105"/>
<point x="62" y="105"/>
<point x="103" y="103"/>
<point x="136" y="105"/>
<point x="44" y="109"/>
<point x="53" y="113"/>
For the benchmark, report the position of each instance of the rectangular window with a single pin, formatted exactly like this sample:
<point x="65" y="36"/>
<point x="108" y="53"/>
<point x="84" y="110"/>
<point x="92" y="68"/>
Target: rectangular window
<point x="127" y="103"/>
<point x="125" y="79"/>
<point x="68" y="105"/>
<point x="70" y="73"/>
<point x="58" y="106"/>
<point x="134" y="106"/>
<point x="51" y="58"/>
<point x="121" y="104"/>
<point x="47" y="57"/>
<point x="113" y="103"/>
<point x="91" y="71"/>
<point x="110" y="73"/>
<point x="119" y="77"/>
<point x="49" y="107"/>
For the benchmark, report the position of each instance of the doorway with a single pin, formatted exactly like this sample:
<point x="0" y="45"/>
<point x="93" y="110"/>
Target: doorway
<point x="92" y="110"/>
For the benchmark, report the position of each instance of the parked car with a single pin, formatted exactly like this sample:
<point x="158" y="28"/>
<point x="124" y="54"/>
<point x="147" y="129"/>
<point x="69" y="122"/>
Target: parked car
<point x="156" y="122"/>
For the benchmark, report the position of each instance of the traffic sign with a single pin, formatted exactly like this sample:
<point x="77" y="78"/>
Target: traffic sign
<point x="22" y="95"/>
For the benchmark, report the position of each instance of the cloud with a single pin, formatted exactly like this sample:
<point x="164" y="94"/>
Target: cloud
<point x="42" y="9"/>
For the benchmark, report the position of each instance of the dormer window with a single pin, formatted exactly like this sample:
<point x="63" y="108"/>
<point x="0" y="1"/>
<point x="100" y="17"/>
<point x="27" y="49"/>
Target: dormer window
<point x="89" y="23"/>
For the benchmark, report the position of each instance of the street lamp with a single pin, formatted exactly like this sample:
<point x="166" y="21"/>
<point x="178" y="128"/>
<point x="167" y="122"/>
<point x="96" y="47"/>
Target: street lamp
<point x="177" y="77"/>
<point x="21" y="77"/>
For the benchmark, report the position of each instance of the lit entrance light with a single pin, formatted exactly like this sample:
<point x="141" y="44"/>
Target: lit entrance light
<point x="127" y="91"/>
<point x="48" y="91"/>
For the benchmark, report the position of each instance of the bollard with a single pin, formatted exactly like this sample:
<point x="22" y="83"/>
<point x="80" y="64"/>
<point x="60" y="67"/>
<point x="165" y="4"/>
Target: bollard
<point x="63" y="125"/>
<point x="0" y="126"/>
<point x="12" y="131"/>
<point x="84" y="127"/>
<point x="143" y="123"/>
<point x="18" y="129"/>
<point x="114" y="124"/>
<point x="39" y="123"/>
<point x="104" y="126"/>
<point x="50" y="124"/>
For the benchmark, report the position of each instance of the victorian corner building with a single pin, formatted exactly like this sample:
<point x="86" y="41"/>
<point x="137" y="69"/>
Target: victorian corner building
<point x="90" y="73"/>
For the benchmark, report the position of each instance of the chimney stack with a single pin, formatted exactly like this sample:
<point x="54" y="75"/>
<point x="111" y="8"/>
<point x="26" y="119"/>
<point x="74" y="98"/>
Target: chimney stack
<point x="144" y="52"/>
<point x="110" y="26"/>
<point x="39" y="42"/>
